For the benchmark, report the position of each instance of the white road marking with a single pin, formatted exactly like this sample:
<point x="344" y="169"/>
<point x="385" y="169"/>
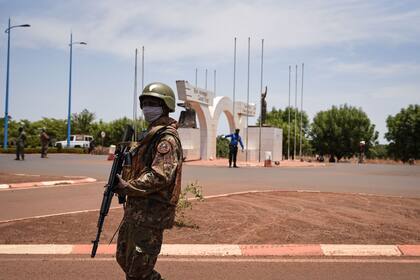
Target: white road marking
<point x="57" y="214"/>
<point x="201" y="250"/>
<point x="360" y="250"/>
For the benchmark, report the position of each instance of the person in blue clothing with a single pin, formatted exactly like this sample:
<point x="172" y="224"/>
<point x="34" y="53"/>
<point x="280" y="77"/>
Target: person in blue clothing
<point x="233" y="147"/>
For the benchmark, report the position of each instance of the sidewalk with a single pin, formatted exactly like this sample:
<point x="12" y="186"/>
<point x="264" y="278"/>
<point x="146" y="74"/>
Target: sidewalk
<point x="224" y="250"/>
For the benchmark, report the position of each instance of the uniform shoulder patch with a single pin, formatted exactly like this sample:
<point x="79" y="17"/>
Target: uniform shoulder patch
<point x="164" y="147"/>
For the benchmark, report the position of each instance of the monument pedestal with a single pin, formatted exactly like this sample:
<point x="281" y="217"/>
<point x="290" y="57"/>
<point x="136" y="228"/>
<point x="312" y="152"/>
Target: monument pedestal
<point x="190" y="139"/>
<point x="271" y="141"/>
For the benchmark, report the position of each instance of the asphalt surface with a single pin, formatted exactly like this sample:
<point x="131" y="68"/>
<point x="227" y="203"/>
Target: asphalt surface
<point x="75" y="268"/>
<point x="371" y="178"/>
<point x="396" y="180"/>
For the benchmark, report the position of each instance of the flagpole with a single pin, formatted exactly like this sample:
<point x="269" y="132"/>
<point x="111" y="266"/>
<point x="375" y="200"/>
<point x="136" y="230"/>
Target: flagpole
<point x="135" y="96"/>
<point x="261" y="86"/>
<point x="301" y="114"/>
<point x="234" y="79"/>
<point x="247" y="99"/>
<point x="289" y="109"/>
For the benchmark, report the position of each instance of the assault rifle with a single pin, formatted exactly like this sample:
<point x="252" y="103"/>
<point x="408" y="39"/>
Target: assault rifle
<point x="121" y="157"/>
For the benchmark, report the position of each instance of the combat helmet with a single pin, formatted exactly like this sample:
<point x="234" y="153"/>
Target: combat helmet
<point x="161" y="91"/>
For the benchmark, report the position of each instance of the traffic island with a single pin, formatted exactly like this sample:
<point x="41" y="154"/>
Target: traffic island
<point x="272" y="217"/>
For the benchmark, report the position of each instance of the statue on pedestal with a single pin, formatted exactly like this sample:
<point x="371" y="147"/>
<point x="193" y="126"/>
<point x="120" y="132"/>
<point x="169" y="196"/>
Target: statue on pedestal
<point x="263" y="106"/>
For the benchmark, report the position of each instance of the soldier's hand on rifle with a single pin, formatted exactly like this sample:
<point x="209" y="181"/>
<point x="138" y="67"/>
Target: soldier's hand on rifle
<point x="121" y="186"/>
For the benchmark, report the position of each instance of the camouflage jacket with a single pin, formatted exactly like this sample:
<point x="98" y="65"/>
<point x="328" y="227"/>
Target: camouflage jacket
<point x="21" y="139"/>
<point x="44" y="138"/>
<point x="154" y="176"/>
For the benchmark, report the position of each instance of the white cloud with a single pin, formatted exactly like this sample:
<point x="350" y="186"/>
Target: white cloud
<point x="403" y="92"/>
<point x="173" y="30"/>
<point x="376" y="69"/>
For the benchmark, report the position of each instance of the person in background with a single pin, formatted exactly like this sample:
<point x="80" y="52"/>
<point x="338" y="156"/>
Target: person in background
<point x="20" y="144"/>
<point x="45" y="140"/>
<point x="233" y="147"/>
<point x="92" y="145"/>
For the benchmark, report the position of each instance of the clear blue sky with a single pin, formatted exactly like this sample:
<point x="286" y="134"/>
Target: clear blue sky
<point x="363" y="53"/>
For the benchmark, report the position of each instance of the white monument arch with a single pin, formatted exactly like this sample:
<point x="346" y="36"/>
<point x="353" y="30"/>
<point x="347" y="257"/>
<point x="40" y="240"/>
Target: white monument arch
<point x="209" y="109"/>
<point x="200" y="143"/>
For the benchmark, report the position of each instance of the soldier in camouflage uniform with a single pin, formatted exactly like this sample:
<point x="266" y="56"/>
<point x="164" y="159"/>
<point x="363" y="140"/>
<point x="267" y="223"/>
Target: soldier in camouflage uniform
<point x="152" y="184"/>
<point x="44" y="138"/>
<point x="20" y="144"/>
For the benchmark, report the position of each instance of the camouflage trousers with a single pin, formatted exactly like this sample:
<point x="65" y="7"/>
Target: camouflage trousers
<point x="137" y="251"/>
<point x="20" y="151"/>
<point x="44" y="150"/>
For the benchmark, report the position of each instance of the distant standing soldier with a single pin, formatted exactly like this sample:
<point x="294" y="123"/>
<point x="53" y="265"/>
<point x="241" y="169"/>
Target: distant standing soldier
<point x="45" y="139"/>
<point x="233" y="147"/>
<point x="152" y="184"/>
<point x="20" y="144"/>
<point x="92" y="145"/>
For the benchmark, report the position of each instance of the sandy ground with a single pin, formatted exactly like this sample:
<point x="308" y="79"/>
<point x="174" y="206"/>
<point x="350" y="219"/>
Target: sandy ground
<point x="9" y="178"/>
<point x="273" y="217"/>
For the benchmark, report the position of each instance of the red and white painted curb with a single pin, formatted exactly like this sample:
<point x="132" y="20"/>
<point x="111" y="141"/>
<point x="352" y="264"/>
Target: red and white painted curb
<point x="47" y="183"/>
<point x="224" y="250"/>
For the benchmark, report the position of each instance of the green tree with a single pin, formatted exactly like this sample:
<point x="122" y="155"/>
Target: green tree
<point x="116" y="129"/>
<point x="280" y="118"/>
<point x="82" y="121"/>
<point x="222" y="147"/>
<point x="338" y="131"/>
<point x="12" y="131"/>
<point x="404" y="133"/>
<point x="378" y="151"/>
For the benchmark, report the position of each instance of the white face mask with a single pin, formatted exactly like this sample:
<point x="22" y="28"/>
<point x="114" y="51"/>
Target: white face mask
<point x="152" y="113"/>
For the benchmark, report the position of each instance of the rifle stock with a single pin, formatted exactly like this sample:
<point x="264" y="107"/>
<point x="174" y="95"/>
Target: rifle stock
<point x="119" y="158"/>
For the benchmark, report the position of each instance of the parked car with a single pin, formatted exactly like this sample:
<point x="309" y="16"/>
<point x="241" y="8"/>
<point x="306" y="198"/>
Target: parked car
<point x="76" y="141"/>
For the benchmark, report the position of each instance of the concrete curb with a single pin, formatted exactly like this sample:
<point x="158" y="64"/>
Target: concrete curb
<point x="223" y="250"/>
<point x="47" y="183"/>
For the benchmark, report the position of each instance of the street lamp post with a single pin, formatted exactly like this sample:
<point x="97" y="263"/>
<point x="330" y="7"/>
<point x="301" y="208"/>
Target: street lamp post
<point x="6" y="111"/>
<point x="69" y="113"/>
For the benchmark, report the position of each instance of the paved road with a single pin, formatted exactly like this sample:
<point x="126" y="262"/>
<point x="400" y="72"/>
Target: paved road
<point x="78" y="268"/>
<point x="371" y="178"/>
<point x="378" y="179"/>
